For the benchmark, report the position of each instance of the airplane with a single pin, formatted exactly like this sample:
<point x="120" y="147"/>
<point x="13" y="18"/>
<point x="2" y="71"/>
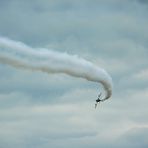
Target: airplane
<point x="98" y="100"/>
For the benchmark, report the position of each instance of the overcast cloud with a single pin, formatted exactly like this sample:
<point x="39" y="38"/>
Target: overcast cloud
<point x="38" y="110"/>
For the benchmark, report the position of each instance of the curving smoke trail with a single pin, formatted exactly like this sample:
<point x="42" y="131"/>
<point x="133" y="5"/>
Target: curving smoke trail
<point x="20" y="55"/>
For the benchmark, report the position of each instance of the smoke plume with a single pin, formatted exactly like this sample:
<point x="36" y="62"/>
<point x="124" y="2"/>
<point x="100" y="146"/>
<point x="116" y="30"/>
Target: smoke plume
<point x="19" y="55"/>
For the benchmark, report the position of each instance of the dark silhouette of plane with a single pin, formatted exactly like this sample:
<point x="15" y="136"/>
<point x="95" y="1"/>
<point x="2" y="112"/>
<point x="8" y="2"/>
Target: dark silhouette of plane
<point x="98" y="100"/>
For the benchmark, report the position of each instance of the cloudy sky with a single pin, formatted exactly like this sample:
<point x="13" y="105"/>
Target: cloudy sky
<point x="44" y="110"/>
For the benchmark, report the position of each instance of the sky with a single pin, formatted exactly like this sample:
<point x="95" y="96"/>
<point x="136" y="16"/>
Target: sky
<point x="55" y="110"/>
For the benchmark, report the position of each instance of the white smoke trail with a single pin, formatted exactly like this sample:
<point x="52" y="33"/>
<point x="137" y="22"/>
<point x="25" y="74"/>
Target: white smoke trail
<point x="20" y="55"/>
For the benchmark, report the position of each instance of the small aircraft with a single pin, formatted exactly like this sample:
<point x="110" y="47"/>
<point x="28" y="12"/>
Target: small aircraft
<point x="98" y="100"/>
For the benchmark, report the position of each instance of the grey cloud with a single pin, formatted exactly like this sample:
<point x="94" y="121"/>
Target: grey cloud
<point x="38" y="110"/>
<point x="135" y="137"/>
<point x="143" y="1"/>
<point x="44" y="27"/>
<point x="29" y="125"/>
